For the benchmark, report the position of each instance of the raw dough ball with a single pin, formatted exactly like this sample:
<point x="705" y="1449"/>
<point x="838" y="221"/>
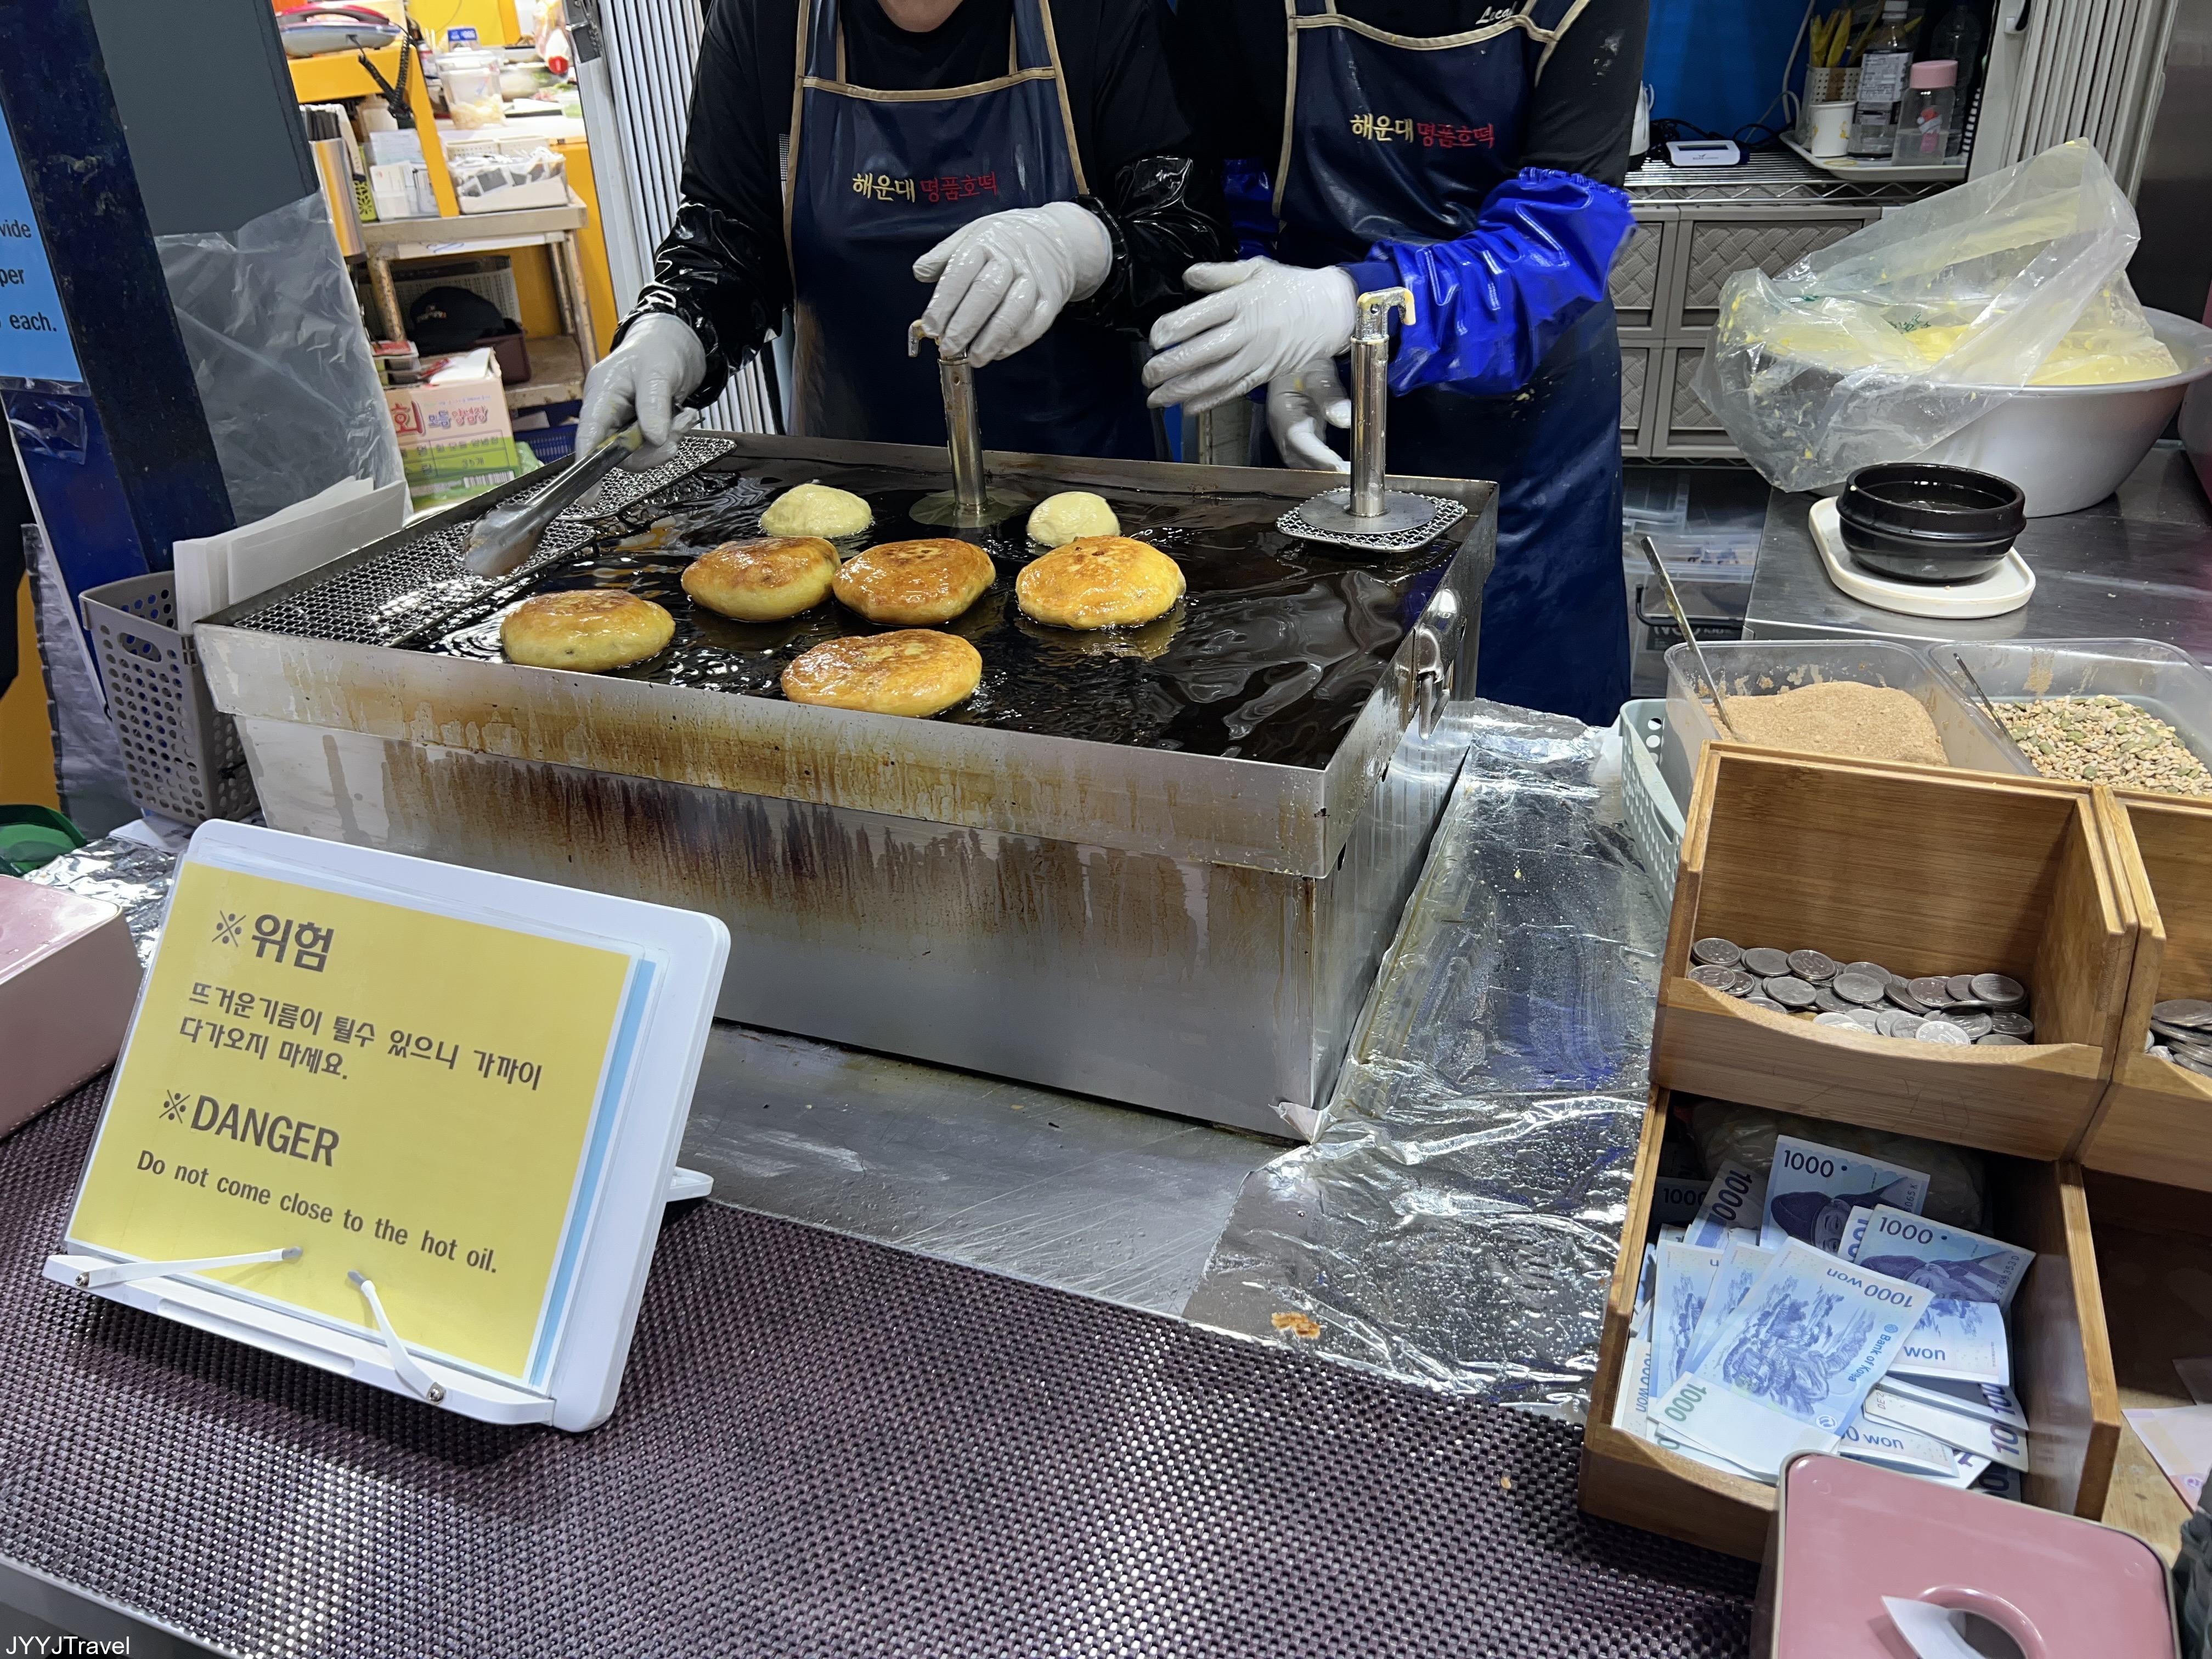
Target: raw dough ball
<point x="1059" y="520"/>
<point x="909" y="671"/>
<point x="764" y="580"/>
<point x="589" y="631"/>
<point x="817" y="510"/>
<point x="916" y="583"/>
<point x="1099" y="582"/>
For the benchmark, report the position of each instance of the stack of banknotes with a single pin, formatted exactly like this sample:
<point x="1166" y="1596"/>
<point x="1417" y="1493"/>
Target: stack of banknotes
<point x="1811" y="1307"/>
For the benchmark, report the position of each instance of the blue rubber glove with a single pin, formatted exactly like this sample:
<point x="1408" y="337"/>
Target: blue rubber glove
<point x="1488" y="306"/>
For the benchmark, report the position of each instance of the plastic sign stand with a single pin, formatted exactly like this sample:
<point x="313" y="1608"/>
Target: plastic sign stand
<point x="411" y="1123"/>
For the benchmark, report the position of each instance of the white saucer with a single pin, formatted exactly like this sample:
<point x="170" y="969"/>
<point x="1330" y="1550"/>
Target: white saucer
<point x="2006" y="588"/>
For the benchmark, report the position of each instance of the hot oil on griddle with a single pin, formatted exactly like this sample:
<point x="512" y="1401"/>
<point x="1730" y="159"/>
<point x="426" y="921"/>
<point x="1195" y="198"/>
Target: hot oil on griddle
<point x="1271" y="655"/>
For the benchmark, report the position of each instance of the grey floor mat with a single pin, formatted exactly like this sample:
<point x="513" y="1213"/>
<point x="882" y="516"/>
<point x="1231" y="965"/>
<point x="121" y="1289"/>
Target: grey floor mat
<point x="824" y="1446"/>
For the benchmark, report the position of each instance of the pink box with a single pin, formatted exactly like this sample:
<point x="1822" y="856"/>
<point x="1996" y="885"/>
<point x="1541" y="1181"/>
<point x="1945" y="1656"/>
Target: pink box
<point x="69" y="978"/>
<point x="1847" y="1536"/>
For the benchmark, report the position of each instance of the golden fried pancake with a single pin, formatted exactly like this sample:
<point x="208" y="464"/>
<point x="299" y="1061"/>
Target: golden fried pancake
<point x="915" y="583"/>
<point x="764" y="580"/>
<point x="590" y="630"/>
<point x="1099" y="582"/>
<point x="1059" y="520"/>
<point x="817" y="510"/>
<point x="910" y="670"/>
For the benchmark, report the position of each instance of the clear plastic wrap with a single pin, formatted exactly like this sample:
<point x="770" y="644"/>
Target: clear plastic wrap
<point x="1879" y="346"/>
<point x="274" y="339"/>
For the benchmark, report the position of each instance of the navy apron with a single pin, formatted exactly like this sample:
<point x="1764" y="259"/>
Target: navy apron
<point x="877" y="178"/>
<point x="1399" y="138"/>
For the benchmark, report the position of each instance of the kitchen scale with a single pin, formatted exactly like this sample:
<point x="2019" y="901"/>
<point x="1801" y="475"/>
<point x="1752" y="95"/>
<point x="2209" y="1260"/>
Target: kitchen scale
<point x="2005" y="589"/>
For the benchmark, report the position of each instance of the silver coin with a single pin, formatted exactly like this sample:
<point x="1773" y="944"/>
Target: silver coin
<point x="1864" y="989"/>
<point x="1739" y="983"/>
<point x="1976" y="1025"/>
<point x="1726" y="952"/>
<point x="1864" y="1019"/>
<point x="1813" y="966"/>
<point x="2006" y="1024"/>
<point x="1764" y="963"/>
<point x="1826" y="1000"/>
<point x="1896" y="1023"/>
<point x="1933" y="990"/>
<point x="1961" y="987"/>
<point x="2173" y="1033"/>
<point x="2184" y="1011"/>
<point x="1942" y="1031"/>
<point x="1998" y="991"/>
<point x="2000" y="1040"/>
<point x="1711" y="974"/>
<point x="1767" y="1003"/>
<point x="1900" y="995"/>
<point x="1844" y="1020"/>
<point x="1790" y="991"/>
<point x="1874" y="967"/>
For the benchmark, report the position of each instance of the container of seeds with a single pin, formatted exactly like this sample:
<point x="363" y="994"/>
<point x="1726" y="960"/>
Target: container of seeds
<point x="2127" y="713"/>
<point x="1853" y="699"/>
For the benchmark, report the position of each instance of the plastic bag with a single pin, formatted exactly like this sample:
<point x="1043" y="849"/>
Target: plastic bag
<point x="274" y="339"/>
<point x="1881" y="345"/>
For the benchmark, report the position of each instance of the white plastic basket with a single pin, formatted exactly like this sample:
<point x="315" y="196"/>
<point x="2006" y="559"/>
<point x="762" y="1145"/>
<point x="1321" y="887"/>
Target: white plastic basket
<point x="1654" y="821"/>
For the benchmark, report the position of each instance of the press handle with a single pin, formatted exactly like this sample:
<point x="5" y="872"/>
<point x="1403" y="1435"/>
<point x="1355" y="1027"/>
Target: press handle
<point x="1370" y="391"/>
<point x="964" y="431"/>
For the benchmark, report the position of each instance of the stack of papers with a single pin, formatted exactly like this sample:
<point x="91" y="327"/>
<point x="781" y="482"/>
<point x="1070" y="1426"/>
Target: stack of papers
<point x="215" y="572"/>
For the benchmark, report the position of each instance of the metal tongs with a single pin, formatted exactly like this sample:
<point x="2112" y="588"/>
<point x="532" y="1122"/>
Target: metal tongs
<point x="970" y="500"/>
<point x="1368" y="514"/>
<point x="1681" y="615"/>
<point x="505" y="536"/>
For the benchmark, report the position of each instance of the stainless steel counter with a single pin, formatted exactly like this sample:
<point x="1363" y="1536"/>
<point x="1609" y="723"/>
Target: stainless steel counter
<point x="2135" y="566"/>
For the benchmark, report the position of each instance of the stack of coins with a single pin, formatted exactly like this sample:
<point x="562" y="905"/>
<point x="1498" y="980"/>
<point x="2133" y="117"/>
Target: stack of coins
<point x="1988" y="1010"/>
<point x="2181" y="1032"/>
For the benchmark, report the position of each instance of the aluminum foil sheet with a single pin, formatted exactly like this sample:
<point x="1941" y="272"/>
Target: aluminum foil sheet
<point x="126" y="873"/>
<point x="1458" y="1222"/>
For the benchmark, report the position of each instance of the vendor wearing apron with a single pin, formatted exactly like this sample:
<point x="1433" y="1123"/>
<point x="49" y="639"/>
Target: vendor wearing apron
<point x="1471" y="153"/>
<point x="1020" y="178"/>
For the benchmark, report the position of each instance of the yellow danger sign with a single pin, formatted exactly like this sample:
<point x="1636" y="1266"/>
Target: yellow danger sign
<point x="402" y="1094"/>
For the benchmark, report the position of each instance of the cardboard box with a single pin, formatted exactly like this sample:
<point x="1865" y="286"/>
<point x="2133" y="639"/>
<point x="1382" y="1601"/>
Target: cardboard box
<point x="455" y="435"/>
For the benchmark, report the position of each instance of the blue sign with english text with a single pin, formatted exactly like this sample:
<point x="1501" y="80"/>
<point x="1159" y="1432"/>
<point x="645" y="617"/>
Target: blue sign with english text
<point x="35" y="338"/>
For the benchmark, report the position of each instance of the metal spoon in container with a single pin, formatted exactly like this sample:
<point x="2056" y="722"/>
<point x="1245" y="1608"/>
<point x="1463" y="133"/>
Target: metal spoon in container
<point x="501" y="540"/>
<point x="1682" y="621"/>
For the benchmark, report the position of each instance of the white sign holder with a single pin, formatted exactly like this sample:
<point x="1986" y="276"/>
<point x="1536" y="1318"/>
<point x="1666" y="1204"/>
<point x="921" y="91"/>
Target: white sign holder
<point x="637" y="1176"/>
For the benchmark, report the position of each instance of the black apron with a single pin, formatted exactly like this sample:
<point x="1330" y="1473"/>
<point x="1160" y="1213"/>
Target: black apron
<point x="877" y="178"/>
<point x="1399" y="138"/>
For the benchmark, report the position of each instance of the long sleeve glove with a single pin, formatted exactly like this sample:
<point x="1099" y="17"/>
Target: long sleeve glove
<point x="657" y="364"/>
<point x="1259" y="321"/>
<point x="1488" y="306"/>
<point x="1163" y="213"/>
<point x="1002" y="279"/>
<point x="1300" y="407"/>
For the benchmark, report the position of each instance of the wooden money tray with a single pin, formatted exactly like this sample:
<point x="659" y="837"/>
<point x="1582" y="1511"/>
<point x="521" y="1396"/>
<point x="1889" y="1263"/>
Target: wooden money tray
<point x="2062" y="1369"/>
<point x="1926" y="870"/>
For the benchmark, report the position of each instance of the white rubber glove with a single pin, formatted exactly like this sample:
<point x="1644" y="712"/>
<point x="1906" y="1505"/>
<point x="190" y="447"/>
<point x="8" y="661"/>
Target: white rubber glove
<point x="1002" y="280"/>
<point x="1299" y="406"/>
<point x="1259" y="321"/>
<point x="660" y="362"/>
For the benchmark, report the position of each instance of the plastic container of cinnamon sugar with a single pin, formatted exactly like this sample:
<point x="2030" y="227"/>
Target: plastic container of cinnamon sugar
<point x="1865" y="698"/>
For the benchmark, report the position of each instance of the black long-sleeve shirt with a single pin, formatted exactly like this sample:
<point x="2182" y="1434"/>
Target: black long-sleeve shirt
<point x="723" y="267"/>
<point x="1232" y="59"/>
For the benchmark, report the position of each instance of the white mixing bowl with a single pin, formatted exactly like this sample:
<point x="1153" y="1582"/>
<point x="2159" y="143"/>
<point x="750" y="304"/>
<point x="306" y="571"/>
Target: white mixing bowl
<point x="2069" y="446"/>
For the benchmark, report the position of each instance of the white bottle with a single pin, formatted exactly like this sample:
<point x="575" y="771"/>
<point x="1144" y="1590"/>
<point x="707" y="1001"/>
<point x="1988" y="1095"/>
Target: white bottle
<point x="1883" y="66"/>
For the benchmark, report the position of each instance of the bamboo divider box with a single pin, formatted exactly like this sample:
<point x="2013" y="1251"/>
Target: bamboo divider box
<point x="1927" y="871"/>
<point x="2061" y="1354"/>
<point x="2155" y="1123"/>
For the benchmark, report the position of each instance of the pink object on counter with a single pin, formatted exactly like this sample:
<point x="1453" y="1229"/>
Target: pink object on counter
<point x="1845" y="1535"/>
<point x="69" y="978"/>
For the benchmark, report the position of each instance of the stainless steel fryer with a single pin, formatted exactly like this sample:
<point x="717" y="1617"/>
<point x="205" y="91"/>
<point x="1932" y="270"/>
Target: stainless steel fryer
<point x="1190" y="930"/>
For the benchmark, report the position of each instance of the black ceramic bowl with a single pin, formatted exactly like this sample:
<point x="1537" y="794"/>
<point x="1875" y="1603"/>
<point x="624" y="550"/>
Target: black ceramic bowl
<point x="1930" y="523"/>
